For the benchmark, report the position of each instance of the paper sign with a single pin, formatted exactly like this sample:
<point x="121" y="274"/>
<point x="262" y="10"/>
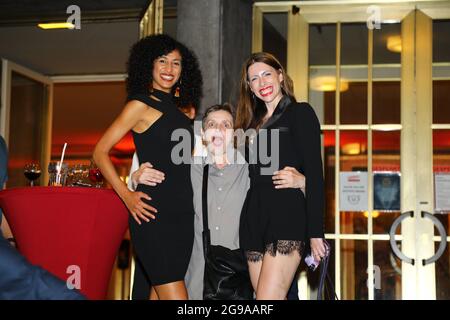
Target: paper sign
<point x="442" y="191"/>
<point x="353" y="191"/>
<point x="386" y="191"/>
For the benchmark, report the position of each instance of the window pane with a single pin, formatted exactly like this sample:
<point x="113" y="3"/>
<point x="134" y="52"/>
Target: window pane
<point x="386" y="65"/>
<point x="441" y="41"/>
<point x="385" y="158"/>
<point x="322" y="70"/>
<point x="329" y="143"/>
<point x="441" y="71"/>
<point x="387" y="44"/>
<point x="443" y="273"/>
<point x="387" y="272"/>
<point x="386" y="102"/>
<point x="441" y="101"/>
<point x="353" y="270"/>
<point x="441" y="158"/>
<point x="275" y="35"/>
<point x="353" y="105"/>
<point x="353" y="153"/>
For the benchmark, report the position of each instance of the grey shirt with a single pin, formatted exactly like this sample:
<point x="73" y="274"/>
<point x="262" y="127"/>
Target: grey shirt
<point x="227" y="189"/>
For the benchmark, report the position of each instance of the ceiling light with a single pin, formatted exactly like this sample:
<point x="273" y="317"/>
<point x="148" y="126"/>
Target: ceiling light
<point x="394" y="43"/>
<point x="375" y="214"/>
<point x="327" y="83"/>
<point x="56" y="25"/>
<point x="351" y="148"/>
<point x="390" y="21"/>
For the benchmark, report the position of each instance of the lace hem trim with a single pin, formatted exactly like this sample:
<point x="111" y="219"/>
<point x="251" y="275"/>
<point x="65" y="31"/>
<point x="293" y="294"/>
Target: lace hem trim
<point x="284" y="247"/>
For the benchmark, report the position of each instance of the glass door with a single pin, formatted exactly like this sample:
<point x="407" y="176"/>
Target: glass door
<point x="25" y="121"/>
<point x="370" y="83"/>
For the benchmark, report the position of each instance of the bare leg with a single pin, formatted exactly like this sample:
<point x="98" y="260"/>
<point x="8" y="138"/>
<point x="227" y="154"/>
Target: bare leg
<point x="172" y="291"/>
<point x="153" y="294"/>
<point x="276" y="276"/>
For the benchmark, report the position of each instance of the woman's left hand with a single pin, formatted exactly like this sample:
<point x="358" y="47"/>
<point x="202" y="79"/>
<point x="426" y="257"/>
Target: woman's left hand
<point x="318" y="248"/>
<point x="289" y="177"/>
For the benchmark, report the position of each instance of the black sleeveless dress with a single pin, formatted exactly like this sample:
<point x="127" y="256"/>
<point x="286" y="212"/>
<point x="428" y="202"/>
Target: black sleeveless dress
<point x="163" y="246"/>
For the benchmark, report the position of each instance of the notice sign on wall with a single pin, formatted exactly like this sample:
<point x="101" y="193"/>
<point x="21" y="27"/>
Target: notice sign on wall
<point x="353" y="195"/>
<point x="386" y="191"/>
<point x="442" y="191"/>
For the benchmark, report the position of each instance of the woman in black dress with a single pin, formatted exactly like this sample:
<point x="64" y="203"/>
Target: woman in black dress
<point x="159" y="67"/>
<point x="275" y="223"/>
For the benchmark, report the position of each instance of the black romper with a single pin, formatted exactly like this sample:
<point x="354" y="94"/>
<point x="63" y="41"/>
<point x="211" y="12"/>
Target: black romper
<point x="281" y="220"/>
<point x="164" y="245"/>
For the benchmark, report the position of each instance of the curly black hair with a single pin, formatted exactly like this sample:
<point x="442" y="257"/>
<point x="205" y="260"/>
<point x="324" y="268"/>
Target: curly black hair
<point x="140" y="66"/>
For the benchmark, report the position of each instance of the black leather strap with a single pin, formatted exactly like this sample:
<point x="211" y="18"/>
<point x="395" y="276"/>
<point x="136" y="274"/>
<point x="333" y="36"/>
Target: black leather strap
<point x="206" y="231"/>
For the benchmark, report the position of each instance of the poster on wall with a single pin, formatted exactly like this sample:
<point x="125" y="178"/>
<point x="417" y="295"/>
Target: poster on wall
<point x="442" y="192"/>
<point x="386" y="191"/>
<point x="353" y="194"/>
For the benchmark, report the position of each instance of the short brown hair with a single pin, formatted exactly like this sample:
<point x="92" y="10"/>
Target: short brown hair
<point x="217" y="107"/>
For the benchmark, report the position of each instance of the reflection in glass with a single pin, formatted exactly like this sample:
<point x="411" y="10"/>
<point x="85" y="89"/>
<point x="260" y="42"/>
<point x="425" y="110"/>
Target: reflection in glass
<point x="443" y="273"/>
<point x="441" y="101"/>
<point x="386" y="65"/>
<point x="353" y="157"/>
<point x="329" y="143"/>
<point x="353" y="150"/>
<point x="354" y="46"/>
<point x="441" y="41"/>
<point x="387" y="44"/>
<point x="385" y="158"/>
<point x="322" y="70"/>
<point x="354" y="104"/>
<point x="387" y="272"/>
<point x="441" y="153"/>
<point x="353" y="270"/>
<point x="386" y="102"/>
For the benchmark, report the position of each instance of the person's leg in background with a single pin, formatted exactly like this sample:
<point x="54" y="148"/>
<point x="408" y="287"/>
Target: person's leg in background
<point x="141" y="283"/>
<point x="20" y="280"/>
<point x="293" y="290"/>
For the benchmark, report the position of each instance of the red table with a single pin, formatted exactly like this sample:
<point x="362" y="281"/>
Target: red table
<point x="65" y="228"/>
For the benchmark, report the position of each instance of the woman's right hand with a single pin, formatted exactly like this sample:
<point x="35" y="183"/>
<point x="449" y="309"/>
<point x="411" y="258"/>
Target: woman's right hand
<point x="147" y="175"/>
<point x="138" y="208"/>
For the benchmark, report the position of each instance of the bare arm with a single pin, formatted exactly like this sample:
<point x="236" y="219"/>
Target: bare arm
<point x="127" y="120"/>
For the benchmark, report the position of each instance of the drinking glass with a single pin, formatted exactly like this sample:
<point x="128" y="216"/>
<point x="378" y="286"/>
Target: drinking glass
<point x="32" y="171"/>
<point x="95" y="175"/>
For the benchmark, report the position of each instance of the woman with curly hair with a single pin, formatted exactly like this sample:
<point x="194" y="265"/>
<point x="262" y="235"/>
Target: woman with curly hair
<point x="162" y="231"/>
<point x="275" y="223"/>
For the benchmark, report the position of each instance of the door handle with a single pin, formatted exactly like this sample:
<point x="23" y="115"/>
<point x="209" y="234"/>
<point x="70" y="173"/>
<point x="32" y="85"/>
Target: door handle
<point x="442" y="233"/>
<point x="394" y="226"/>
